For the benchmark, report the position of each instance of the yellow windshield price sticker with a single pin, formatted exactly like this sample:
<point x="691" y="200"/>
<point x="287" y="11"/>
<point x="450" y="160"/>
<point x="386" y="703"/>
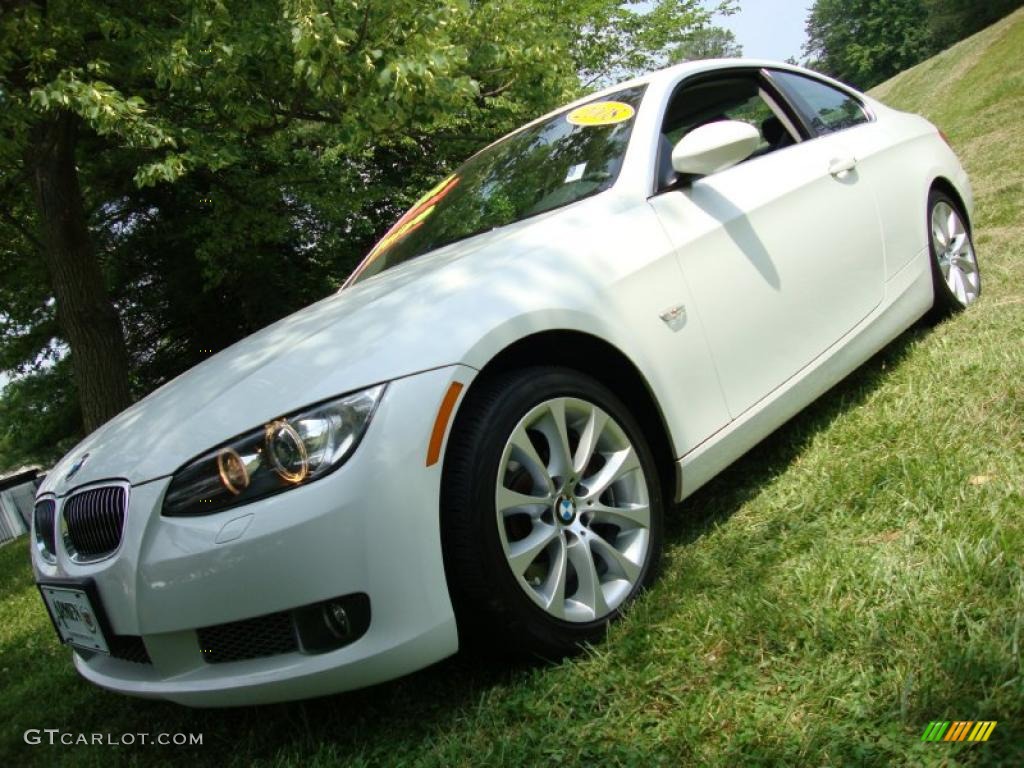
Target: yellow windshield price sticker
<point x="601" y="113"/>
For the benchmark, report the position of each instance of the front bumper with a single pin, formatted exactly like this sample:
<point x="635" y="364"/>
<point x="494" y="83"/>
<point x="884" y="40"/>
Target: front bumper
<point x="371" y="527"/>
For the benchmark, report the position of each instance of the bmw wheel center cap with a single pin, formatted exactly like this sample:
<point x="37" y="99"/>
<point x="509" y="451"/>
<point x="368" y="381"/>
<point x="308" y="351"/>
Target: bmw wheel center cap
<point x="565" y="509"/>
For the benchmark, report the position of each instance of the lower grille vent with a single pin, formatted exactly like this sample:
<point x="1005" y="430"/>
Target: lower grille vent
<point x="248" y="639"/>
<point x="129" y="648"/>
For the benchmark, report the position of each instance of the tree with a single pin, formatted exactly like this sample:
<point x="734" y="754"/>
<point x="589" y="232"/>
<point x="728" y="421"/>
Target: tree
<point x="39" y="155"/>
<point x="613" y="40"/>
<point x="952" y="20"/>
<point x="867" y="41"/>
<point x="155" y="91"/>
<point x="864" y="42"/>
<point x="708" y="43"/>
<point x="174" y="175"/>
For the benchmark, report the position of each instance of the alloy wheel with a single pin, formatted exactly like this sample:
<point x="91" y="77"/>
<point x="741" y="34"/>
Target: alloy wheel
<point x="954" y="253"/>
<point x="573" y="509"/>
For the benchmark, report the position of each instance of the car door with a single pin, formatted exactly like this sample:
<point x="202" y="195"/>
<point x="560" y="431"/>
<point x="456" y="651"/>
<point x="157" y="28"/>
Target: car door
<point x="783" y="253"/>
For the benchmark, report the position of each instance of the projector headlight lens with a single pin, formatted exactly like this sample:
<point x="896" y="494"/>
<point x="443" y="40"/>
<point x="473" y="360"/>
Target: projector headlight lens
<point x="233" y="474"/>
<point x="287" y="452"/>
<point x="282" y="454"/>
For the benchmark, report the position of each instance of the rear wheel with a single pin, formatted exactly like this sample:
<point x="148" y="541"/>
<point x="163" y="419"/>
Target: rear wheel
<point x="955" y="274"/>
<point x="551" y="512"/>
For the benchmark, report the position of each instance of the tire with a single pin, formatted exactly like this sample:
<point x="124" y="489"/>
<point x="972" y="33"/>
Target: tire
<point x="523" y="610"/>
<point x="956" y="278"/>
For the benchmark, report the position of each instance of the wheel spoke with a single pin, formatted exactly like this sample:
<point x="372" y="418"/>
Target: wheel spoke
<point x="970" y="285"/>
<point x="588" y="591"/>
<point x="554" y="599"/>
<point x="971" y="282"/>
<point x="616" y="561"/>
<point x="967" y="265"/>
<point x="953" y="225"/>
<point x="631" y="516"/>
<point x="521" y="554"/>
<point x="509" y="500"/>
<point x="956" y="282"/>
<point x="617" y="466"/>
<point x="527" y="455"/>
<point x="951" y="222"/>
<point x="940" y="225"/>
<point x="596" y="422"/>
<point x="554" y="428"/>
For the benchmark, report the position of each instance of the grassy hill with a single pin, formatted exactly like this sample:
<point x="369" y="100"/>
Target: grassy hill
<point x="975" y="92"/>
<point x="855" y="577"/>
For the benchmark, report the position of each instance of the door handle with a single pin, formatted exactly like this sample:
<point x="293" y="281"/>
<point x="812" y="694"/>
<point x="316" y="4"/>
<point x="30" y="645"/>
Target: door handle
<point x="840" y="166"/>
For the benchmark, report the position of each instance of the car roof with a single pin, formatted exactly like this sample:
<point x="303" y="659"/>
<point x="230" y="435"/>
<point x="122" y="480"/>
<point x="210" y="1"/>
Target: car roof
<point x="694" y="67"/>
<point x="672" y="73"/>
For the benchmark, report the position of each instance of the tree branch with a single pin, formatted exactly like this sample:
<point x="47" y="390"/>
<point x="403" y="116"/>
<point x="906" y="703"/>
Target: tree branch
<point x="499" y="90"/>
<point x="363" y="28"/>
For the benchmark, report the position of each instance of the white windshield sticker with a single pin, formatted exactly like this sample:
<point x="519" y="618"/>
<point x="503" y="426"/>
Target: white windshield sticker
<point x="575" y="173"/>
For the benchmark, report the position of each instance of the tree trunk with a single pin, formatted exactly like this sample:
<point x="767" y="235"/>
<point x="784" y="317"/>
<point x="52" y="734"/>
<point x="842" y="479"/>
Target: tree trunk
<point x="86" y="315"/>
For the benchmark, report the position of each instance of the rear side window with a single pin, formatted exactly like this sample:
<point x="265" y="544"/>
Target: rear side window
<point x="827" y="109"/>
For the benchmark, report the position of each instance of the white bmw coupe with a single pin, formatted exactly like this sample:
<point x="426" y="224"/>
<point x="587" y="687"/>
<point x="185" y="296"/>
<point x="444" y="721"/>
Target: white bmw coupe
<point x="481" y="432"/>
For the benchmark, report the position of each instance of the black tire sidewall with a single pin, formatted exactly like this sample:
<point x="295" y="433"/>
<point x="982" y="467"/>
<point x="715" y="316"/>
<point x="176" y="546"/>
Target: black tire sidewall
<point x="502" y="405"/>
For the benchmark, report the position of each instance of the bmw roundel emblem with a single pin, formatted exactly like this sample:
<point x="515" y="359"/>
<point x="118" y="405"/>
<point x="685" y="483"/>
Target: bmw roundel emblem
<point x="566" y="510"/>
<point x="79" y="463"/>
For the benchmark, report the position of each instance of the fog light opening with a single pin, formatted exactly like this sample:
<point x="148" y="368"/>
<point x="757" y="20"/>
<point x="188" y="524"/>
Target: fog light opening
<point x="333" y="623"/>
<point x="337" y="620"/>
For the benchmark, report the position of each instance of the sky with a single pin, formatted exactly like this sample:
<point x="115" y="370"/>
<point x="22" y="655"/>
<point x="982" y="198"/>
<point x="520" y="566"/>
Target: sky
<point x="769" y="29"/>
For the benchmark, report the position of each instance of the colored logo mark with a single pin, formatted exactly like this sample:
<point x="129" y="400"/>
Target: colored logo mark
<point x="79" y="463"/>
<point x="959" y="730"/>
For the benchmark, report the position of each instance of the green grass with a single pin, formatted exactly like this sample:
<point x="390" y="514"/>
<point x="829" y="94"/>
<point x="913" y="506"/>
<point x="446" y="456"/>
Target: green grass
<point x="858" y="575"/>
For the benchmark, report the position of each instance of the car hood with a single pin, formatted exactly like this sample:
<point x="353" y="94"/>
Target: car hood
<point x="395" y="324"/>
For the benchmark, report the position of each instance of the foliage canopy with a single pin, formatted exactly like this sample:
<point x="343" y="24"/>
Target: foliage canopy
<point x="864" y="42"/>
<point x="175" y="175"/>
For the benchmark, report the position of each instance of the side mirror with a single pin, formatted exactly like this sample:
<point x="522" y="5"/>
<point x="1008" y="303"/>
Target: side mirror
<point x="715" y="147"/>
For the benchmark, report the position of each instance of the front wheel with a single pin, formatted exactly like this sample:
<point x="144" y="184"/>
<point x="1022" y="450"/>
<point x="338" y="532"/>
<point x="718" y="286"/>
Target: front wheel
<point x="954" y="263"/>
<point x="551" y="511"/>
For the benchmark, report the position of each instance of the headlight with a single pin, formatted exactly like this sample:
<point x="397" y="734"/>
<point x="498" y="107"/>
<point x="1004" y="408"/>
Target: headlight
<point x="290" y="451"/>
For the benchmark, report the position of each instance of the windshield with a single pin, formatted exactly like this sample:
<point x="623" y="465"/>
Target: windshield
<point x="575" y="154"/>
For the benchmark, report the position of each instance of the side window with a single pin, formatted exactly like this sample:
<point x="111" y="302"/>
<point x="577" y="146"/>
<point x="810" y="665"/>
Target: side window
<point x="735" y="97"/>
<point x="826" y="108"/>
<point x="753" y="111"/>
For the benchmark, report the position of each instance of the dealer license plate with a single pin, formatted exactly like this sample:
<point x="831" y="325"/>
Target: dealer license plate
<point x="74" y="617"/>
